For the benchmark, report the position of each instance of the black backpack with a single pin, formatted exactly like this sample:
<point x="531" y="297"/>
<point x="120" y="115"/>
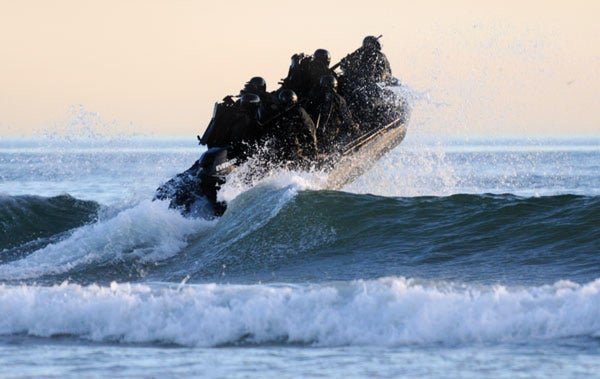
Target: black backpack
<point x="218" y="132"/>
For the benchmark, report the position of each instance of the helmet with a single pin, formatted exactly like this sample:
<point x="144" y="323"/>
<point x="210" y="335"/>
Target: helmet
<point x="288" y="97"/>
<point x="371" y="42"/>
<point x="322" y="55"/>
<point x="328" y="81"/>
<point x="255" y="85"/>
<point x="250" y="100"/>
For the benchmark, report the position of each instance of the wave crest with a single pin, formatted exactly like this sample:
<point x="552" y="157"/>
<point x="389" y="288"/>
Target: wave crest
<point x="148" y="232"/>
<point x="387" y="312"/>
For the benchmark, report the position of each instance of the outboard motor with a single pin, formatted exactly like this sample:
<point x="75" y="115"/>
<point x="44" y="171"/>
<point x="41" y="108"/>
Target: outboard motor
<point x="197" y="186"/>
<point x="215" y="162"/>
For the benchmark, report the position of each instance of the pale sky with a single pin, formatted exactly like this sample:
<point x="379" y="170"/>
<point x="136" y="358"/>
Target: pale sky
<point x="157" y="67"/>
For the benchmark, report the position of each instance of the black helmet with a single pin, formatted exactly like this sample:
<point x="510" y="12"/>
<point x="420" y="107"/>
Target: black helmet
<point x="328" y="81"/>
<point x="322" y="55"/>
<point x="250" y="100"/>
<point x="255" y="85"/>
<point x="371" y="42"/>
<point x="288" y="97"/>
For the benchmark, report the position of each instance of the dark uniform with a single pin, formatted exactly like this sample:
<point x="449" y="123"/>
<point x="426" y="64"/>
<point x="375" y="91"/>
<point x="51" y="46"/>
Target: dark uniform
<point x="363" y="70"/>
<point x="319" y="67"/>
<point x="296" y="79"/>
<point x="305" y="72"/>
<point x="330" y="112"/>
<point x="235" y="125"/>
<point x="217" y="131"/>
<point x="268" y="101"/>
<point x="367" y="64"/>
<point x="294" y="133"/>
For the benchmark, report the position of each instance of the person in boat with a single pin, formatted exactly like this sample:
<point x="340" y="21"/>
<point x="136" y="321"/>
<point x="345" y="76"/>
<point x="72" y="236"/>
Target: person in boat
<point x="245" y="130"/>
<point x="268" y="101"/>
<point x="319" y="67"/>
<point x="235" y="125"/>
<point x="305" y="72"/>
<point x="229" y="110"/>
<point x="331" y="115"/>
<point x="363" y="72"/>
<point x="368" y="64"/>
<point x="256" y="85"/>
<point x="293" y="135"/>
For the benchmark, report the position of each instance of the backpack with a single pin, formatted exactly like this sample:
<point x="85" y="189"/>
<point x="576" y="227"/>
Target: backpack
<point x="218" y="132"/>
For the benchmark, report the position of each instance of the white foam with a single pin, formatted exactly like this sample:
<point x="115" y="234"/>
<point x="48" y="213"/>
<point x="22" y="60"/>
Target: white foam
<point x="245" y="178"/>
<point x="147" y="232"/>
<point x="386" y="312"/>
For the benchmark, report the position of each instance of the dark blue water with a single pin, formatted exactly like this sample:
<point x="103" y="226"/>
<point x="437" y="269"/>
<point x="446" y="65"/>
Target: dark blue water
<point x="478" y="257"/>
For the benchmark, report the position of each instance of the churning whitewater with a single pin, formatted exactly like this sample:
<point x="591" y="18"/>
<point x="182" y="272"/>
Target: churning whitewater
<point x="386" y="312"/>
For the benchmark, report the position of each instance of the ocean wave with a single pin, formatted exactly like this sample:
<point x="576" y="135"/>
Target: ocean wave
<point x="281" y="232"/>
<point x="27" y="218"/>
<point x="127" y="243"/>
<point x="384" y="312"/>
<point x="147" y="232"/>
<point x="329" y="235"/>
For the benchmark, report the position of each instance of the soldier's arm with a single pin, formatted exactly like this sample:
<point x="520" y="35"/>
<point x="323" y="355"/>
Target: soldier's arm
<point x="306" y="137"/>
<point x="387" y="68"/>
<point x="347" y="120"/>
<point x="307" y="148"/>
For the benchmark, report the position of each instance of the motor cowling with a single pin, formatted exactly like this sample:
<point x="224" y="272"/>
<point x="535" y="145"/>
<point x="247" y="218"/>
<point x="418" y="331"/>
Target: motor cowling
<point x="215" y="162"/>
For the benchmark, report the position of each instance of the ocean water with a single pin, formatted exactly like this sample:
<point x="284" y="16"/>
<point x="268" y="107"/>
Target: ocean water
<point x="450" y="258"/>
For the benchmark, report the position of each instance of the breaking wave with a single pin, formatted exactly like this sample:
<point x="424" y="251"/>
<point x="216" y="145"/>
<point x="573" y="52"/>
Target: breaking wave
<point x="126" y="244"/>
<point x="277" y="231"/>
<point x="391" y="311"/>
<point x="148" y="232"/>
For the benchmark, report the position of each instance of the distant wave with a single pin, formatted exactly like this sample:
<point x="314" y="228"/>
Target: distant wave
<point x="279" y="233"/>
<point x="390" y="311"/>
<point x="27" y="219"/>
